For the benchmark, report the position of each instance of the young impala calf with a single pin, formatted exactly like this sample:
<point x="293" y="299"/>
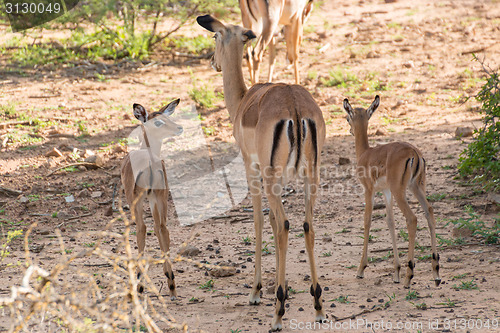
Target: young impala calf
<point x="280" y="130"/>
<point x="391" y="168"/>
<point x="143" y="176"/>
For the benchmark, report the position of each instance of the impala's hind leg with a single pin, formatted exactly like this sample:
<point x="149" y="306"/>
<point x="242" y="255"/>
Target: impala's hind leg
<point x="159" y="209"/>
<point x="419" y="192"/>
<point x="411" y="223"/>
<point x="273" y="190"/>
<point x="311" y="182"/>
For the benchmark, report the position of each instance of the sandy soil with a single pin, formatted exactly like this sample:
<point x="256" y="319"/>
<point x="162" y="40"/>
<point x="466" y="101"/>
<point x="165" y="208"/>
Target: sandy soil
<point x="420" y="51"/>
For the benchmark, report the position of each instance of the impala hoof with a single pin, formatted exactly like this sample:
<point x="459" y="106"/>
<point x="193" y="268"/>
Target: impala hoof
<point x="359" y="276"/>
<point x="320" y="317"/>
<point x="437" y="282"/>
<point x="140" y="289"/>
<point x="276" y="325"/>
<point x="254" y="300"/>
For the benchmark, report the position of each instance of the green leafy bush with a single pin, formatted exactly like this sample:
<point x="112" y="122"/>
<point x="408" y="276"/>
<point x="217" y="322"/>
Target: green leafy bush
<point x="481" y="158"/>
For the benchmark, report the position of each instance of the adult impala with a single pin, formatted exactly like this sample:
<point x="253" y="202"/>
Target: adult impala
<point x="280" y="131"/>
<point x="144" y="176"/>
<point x="391" y="168"/>
<point x="263" y="17"/>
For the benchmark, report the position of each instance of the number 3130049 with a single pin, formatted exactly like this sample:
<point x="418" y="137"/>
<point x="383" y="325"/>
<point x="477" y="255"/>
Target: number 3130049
<point x="32" y="8"/>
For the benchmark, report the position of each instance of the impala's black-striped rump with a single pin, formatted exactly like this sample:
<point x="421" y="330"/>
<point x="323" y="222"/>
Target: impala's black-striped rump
<point x="410" y="161"/>
<point x="296" y="139"/>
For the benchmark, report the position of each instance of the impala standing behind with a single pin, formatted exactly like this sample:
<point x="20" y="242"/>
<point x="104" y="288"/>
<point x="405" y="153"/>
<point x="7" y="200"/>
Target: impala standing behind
<point x="263" y="17"/>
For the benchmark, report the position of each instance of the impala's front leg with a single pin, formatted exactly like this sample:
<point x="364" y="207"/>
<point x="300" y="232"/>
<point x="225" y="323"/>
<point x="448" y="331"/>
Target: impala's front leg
<point x="137" y="210"/>
<point x="159" y="209"/>
<point x="368" y="221"/>
<point x="255" y="185"/>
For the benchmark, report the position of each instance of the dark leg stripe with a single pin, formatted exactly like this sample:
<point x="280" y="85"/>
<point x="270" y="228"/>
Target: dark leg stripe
<point x="287" y="225"/>
<point x="259" y="286"/>
<point x="280" y="295"/>
<point x="306" y="227"/>
<point x="317" y="295"/>
<point x="411" y="264"/>
<point x="312" y="127"/>
<point x="276" y="138"/>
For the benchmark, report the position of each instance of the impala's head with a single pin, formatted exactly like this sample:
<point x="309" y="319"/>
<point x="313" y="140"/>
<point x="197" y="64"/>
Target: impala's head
<point x="228" y="38"/>
<point x="358" y="117"/>
<point x="158" y="124"/>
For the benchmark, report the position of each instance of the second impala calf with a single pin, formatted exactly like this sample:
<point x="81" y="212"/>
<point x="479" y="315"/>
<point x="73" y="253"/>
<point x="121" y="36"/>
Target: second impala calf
<point x="391" y="168"/>
<point x="144" y="176"/>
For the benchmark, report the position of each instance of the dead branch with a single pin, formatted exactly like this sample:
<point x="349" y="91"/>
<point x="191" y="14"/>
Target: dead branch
<point x="86" y="164"/>
<point x="353" y="316"/>
<point x="9" y="191"/>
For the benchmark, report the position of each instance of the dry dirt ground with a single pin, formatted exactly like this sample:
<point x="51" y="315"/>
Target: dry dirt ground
<point x="415" y="54"/>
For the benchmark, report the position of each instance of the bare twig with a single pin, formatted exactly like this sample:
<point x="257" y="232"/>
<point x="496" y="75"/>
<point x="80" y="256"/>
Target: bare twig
<point x="74" y="164"/>
<point x="9" y="191"/>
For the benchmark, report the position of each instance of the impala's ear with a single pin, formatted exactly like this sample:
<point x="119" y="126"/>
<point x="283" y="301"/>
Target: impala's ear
<point x="210" y="23"/>
<point x="373" y="107"/>
<point x="248" y="35"/>
<point x="348" y="108"/>
<point x="170" y="107"/>
<point x="140" y="113"/>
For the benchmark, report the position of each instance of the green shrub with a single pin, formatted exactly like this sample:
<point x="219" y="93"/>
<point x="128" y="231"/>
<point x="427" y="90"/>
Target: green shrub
<point x="481" y="158"/>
